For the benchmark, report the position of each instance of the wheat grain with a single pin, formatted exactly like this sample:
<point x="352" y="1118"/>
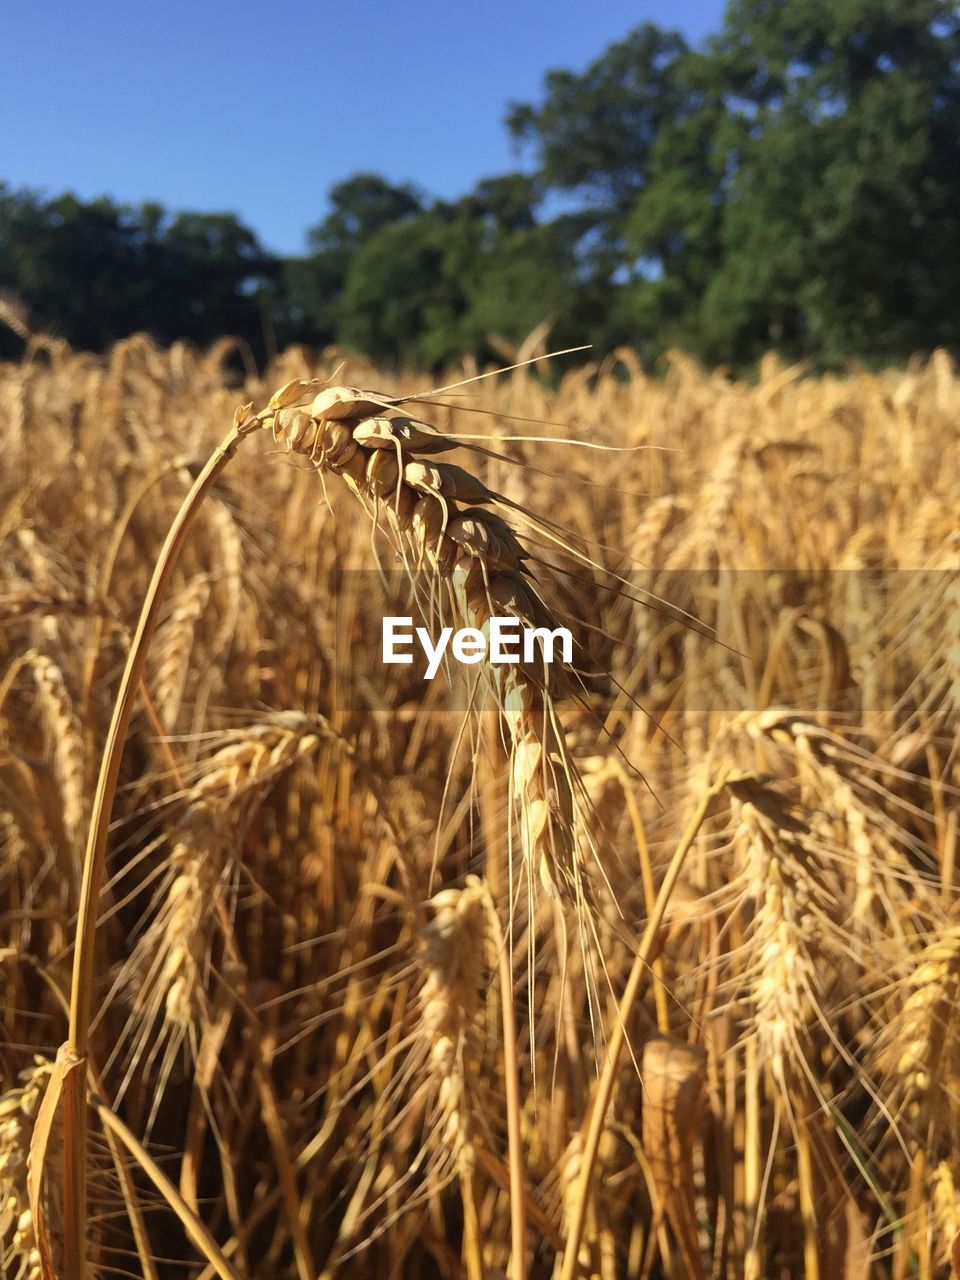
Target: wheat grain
<point x="451" y="1005"/>
<point x="19" y="1252"/>
<point x="481" y="559"/>
<point x="65" y="743"/>
<point x="175" y="641"/>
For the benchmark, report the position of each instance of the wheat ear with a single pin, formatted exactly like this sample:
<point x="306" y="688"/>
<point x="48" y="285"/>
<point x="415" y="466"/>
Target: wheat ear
<point x="65" y="742"/>
<point x="173" y="647"/>
<point x="169" y="965"/>
<point x="20" y="1257"/>
<point x="780" y="972"/>
<point x="436" y="515"/>
<point x="455" y="976"/>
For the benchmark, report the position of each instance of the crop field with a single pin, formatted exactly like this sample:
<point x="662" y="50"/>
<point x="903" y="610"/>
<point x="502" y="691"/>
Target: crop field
<point x="644" y="965"/>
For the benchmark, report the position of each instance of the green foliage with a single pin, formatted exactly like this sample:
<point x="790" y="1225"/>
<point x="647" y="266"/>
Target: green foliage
<point x="841" y="220"/>
<point x="594" y="133"/>
<point x="427" y="289"/>
<point x="95" y="271"/>
<point x="397" y="294"/>
<point x="359" y="207"/>
<point x="796" y="183"/>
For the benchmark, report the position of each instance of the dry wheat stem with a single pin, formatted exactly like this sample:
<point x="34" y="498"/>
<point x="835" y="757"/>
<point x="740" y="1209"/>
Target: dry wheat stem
<point x="193" y="1226"/>
<point x="638" y="974"/>
<point x="81" y="993"/>
<point x="511" y="1073"/>
<point x="63" y="732"/>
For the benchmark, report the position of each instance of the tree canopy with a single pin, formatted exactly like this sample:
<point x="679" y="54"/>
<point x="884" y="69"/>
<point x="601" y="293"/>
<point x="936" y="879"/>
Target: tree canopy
<point x="793" y="182"/>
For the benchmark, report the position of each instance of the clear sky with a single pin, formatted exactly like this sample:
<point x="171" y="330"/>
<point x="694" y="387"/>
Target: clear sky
<point x="259" y="106"/>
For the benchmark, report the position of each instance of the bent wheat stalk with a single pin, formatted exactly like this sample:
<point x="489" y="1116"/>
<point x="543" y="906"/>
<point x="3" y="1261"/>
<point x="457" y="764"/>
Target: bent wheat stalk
<point x="476" y="566"/>
<point x="74" y="1083"/>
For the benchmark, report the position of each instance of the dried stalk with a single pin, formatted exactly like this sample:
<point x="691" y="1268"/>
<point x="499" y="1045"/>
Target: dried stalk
<point x="81" y="993"/>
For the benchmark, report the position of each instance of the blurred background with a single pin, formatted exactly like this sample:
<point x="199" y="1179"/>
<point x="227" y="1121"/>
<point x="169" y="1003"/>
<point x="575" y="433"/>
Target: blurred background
<point x="426" y="183"/>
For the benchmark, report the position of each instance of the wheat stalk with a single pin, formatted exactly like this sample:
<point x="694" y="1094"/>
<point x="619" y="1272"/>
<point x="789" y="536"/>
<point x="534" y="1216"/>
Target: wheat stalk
<point x="920" y="1049"/>
<point x="946" y="1211"/>
<point x="168" y="968"/>
<point x="451" y="1006"/>
<point x="783" y="910"/>
<point x="674" y="1101"/>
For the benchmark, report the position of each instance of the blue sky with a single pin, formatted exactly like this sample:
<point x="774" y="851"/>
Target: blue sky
<point x="260" y="107"/>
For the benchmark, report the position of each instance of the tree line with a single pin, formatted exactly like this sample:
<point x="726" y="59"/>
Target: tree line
<point x="793" y="182"/>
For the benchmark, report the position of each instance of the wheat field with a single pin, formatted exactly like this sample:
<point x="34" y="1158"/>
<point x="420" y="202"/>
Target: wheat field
<point x="644" y="967"/>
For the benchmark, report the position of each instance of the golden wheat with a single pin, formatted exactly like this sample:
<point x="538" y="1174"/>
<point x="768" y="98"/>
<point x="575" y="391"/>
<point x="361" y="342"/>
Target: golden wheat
<point x="302" y="1043"/>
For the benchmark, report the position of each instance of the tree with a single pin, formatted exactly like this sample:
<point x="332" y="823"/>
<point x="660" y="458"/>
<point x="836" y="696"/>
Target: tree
<point x="506" y="203"/>
<point x="95" y="271"/>
<point x="311" y="287"/>
<point x="794" y="183"/>
<point x="399" y="301"/>
<point x="842" y="213"/>
<point x="430" y="288"/>
<point x="594" y="133"/>
<point x="74" y="264"/>
<point x="211" y="268"/>
<point x="673" y="231"/>
<point x="360" y="206"/>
